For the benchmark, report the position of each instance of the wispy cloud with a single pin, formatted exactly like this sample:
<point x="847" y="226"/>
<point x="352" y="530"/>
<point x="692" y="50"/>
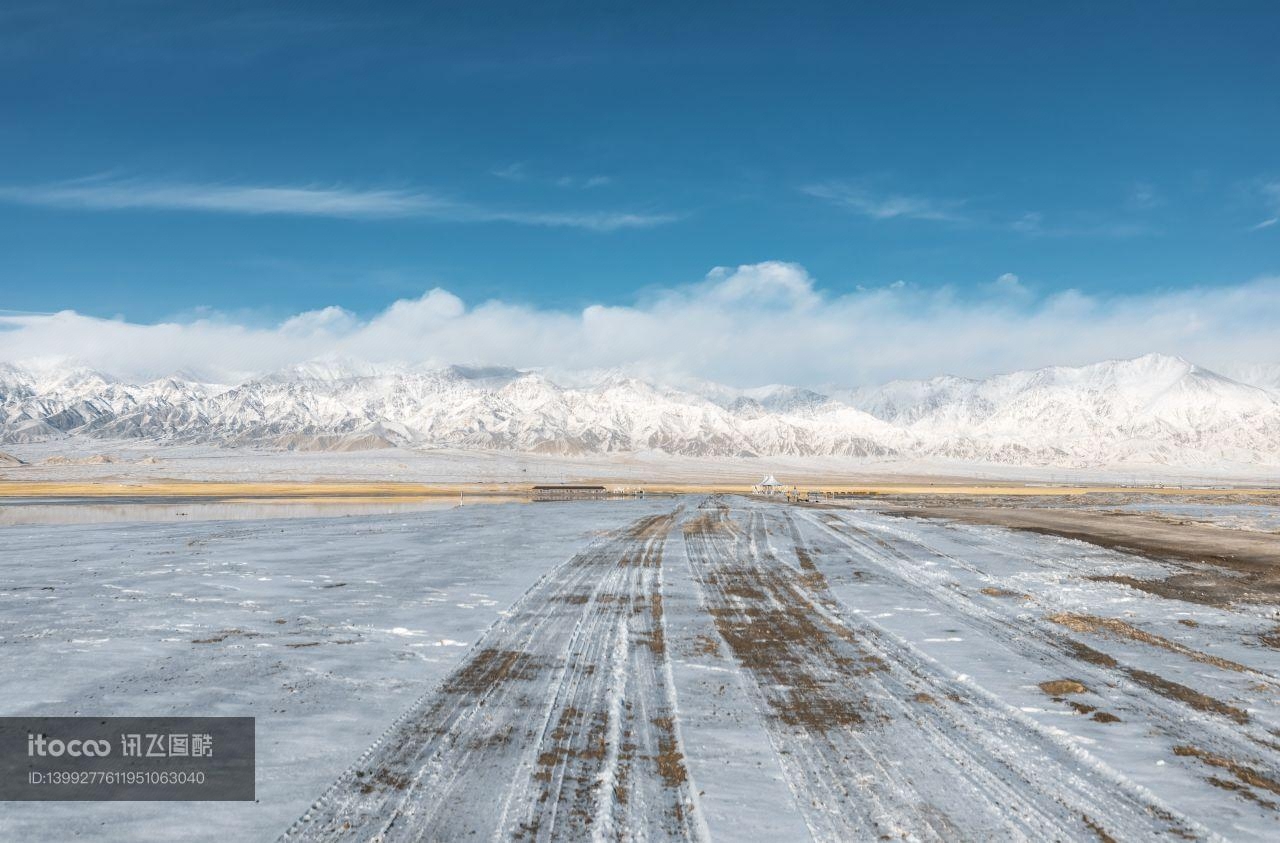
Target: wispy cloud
<point x="518" y="171"/>
<point x="590" y="220"/>
<point x="860" y="200"/>
<point x="1143" y="197"/>
<point x="857" y="197"/>
<point x="1033" y="224"/>
<point x="584" y="182"/>
<point x="105" y="194"/>
<point x="127" y="194"/>
<point x="514" y="171"/>
<point x="1271" y="195"/>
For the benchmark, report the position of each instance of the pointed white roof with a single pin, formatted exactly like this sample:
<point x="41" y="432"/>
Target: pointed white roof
<point x="769" y="481"/>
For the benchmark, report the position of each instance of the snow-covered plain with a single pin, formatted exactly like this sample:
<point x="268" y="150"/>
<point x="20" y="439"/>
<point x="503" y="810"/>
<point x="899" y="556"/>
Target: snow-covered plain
<point x="702" y="667"/>
<point x="324" y="629"/>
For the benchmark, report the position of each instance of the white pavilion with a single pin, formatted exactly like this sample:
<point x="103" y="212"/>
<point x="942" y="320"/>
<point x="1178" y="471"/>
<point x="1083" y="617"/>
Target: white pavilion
<point x="768" y="486"/>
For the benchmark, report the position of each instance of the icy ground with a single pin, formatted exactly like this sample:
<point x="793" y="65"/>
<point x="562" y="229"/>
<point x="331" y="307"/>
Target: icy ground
<point x="686" y="668"/>
<point x="1233" y="516"/>
<point x="323" y="629"/>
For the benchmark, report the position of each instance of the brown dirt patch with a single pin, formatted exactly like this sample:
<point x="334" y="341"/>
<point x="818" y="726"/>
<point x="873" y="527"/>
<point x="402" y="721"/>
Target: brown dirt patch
<point x="1244" y="773"/>
<point x="1193" y="698"/>
<point x="1205" y="587"/>
<point x="776" y="634"/>
<point x="1003" y="592"/>
<point x="1085" y="653"/>
<point x="1097" y="829"/>
<point x="490" y="668"/>
<point x="225" y="634"/>
<point x="1062" y="687"/>
<point x="705" y="645"/>
<point x="1120" y="629"/>
<point x="1154" y="682"/>
<point x="670" y="760"/>
<point x="812" y="578"/>
<point x="384" y="779"/>
<point x="1241" y="790"/>
<point x="763" y="641"/>
<point x="657" y="638"/>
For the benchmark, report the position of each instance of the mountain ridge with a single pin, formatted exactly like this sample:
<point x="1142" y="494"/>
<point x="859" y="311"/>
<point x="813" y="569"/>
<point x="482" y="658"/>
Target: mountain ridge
<point x="1154" y="408"/>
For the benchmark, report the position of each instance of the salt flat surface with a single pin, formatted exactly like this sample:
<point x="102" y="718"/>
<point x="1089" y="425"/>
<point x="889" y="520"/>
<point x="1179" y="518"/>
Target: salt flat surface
<point x="1004" y="612"/>
<point x="323" y="629"/>
<point x="1233" y="516"/>
<point x="56" y="511"/>
<point x="691" y="668"/>
<point x="83" y="459"/>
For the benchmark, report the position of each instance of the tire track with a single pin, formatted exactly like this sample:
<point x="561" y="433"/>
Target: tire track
<point x="874" y="738"/>
<point x="1196" y="725"/>
<point x="1182" y="712"/>
<point x="560" y="725"/>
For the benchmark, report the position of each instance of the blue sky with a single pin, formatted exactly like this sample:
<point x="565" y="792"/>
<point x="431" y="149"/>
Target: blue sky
<point x="162" y="160"/>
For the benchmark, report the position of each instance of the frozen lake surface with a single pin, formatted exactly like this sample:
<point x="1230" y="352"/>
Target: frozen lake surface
<point x="686" y="668"/>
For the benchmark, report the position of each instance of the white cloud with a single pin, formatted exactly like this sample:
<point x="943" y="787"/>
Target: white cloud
<point x="886" y="206"/>
<point x="103" y="194"/>
<point x="1009" y="285"/>
<point x="747" y="326"/>
<point x="1265" y="224"/>
<point x="763" y="285"/>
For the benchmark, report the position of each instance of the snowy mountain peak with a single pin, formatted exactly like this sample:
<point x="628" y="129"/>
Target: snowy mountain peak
<point x="328" y="369"/>
<point x="1154" y="408"/>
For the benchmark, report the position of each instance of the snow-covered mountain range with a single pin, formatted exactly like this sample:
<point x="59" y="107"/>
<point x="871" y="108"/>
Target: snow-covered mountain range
<point x="1153" y="409"/>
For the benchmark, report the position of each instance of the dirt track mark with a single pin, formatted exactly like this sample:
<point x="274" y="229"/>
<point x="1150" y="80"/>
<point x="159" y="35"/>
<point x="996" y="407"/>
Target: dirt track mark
<point x="1245" y="774"/>
<point x="1195" y="716"/>
<point x="871" y="543"/>
<point x="560" y="725"/>
<point x="1120" y="629"/>
<point x="1221" y="566"/>
<point x="1242" y="551"/>
<point x="873" y="739"/>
